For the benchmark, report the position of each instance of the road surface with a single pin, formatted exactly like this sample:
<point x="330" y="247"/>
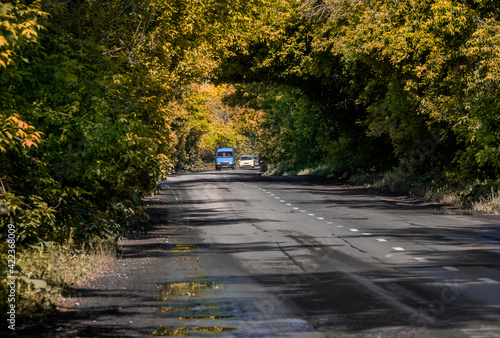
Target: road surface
<point x="235" y="254"/>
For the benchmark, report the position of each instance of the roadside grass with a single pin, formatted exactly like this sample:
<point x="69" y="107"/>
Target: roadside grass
<point x="282" y="169"/>
<point x="202" y="166"/>
<point x="490" y="205"/>
<point x="394" y="181"/>
<point x="476" y="196"/>
<point x="46" y="272"/>
<point x="323" y="170"/>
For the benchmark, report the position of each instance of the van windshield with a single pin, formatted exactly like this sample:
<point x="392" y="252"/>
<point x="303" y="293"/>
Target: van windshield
<point x="225" y="154"/>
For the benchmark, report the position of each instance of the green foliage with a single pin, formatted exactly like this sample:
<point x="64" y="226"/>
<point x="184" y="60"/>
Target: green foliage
<point x="210" y="123"/>
<point x="373" y="83"/>
<point x="47" y="270"/>
<point x="18" y="29"/>
<point x="298" y="132"/>
<point x="99" y="106"/>
<point x="438" y="73"/>
<point x="91" y="166"/>
<point x="88" y="118"/>
<point x="90" y="121"/>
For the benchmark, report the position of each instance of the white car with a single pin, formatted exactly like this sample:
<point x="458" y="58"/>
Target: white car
<point x="246" y="161"/>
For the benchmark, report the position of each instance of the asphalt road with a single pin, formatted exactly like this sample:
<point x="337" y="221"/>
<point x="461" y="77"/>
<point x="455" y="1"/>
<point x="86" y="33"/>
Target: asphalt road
<point x="234" y="254"/>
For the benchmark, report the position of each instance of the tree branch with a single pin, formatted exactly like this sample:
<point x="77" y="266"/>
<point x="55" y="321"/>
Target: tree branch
<point x="114" y="50"/>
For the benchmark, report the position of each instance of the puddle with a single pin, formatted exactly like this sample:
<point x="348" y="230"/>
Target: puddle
<point x="184" y="259"/>
<point x="193" y="330"/>
<point x="183" y="248"/>
<point x="202" y="317"/>
<point x="198" y="274"/>
<point x="190" y="309"/>
<point x="170" y="291"/>
<point x="166" y="309"/>
<point x="185" y="301"/>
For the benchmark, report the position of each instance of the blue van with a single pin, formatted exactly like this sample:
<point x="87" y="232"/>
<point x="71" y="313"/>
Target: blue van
<point x="224" y="158"/>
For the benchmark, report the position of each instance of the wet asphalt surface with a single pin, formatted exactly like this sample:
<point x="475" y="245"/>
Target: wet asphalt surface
<point x="234" y="254"/>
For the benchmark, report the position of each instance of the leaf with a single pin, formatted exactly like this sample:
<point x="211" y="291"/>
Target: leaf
<point x="39" y="283"/>
<point x="5" y="8"/>
<point x="29" y="144"/>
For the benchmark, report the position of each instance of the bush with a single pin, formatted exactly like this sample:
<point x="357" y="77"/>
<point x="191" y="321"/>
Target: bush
<point x="49" y="270"/>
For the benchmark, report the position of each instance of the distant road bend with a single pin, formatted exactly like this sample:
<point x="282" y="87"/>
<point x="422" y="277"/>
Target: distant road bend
<point x="236" y="254"/>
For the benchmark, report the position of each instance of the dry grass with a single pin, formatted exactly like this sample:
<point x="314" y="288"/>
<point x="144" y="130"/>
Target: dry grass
<point x="323" y="170"/>
<point x="490" y="205"/>
<point x="397" y="181"/>
<point x="46" y="271"/>
<point x="401" y="181"/>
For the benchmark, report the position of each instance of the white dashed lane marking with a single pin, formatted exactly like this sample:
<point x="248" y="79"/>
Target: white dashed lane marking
<point x="397" y="248"/>
<point x="487" y="280"/>
<point x="420" y="259"/>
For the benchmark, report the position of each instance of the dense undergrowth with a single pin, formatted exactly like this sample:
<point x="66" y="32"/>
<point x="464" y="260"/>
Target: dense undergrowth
<point x="48" y="271"/>
<point x="474" y="197"/>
